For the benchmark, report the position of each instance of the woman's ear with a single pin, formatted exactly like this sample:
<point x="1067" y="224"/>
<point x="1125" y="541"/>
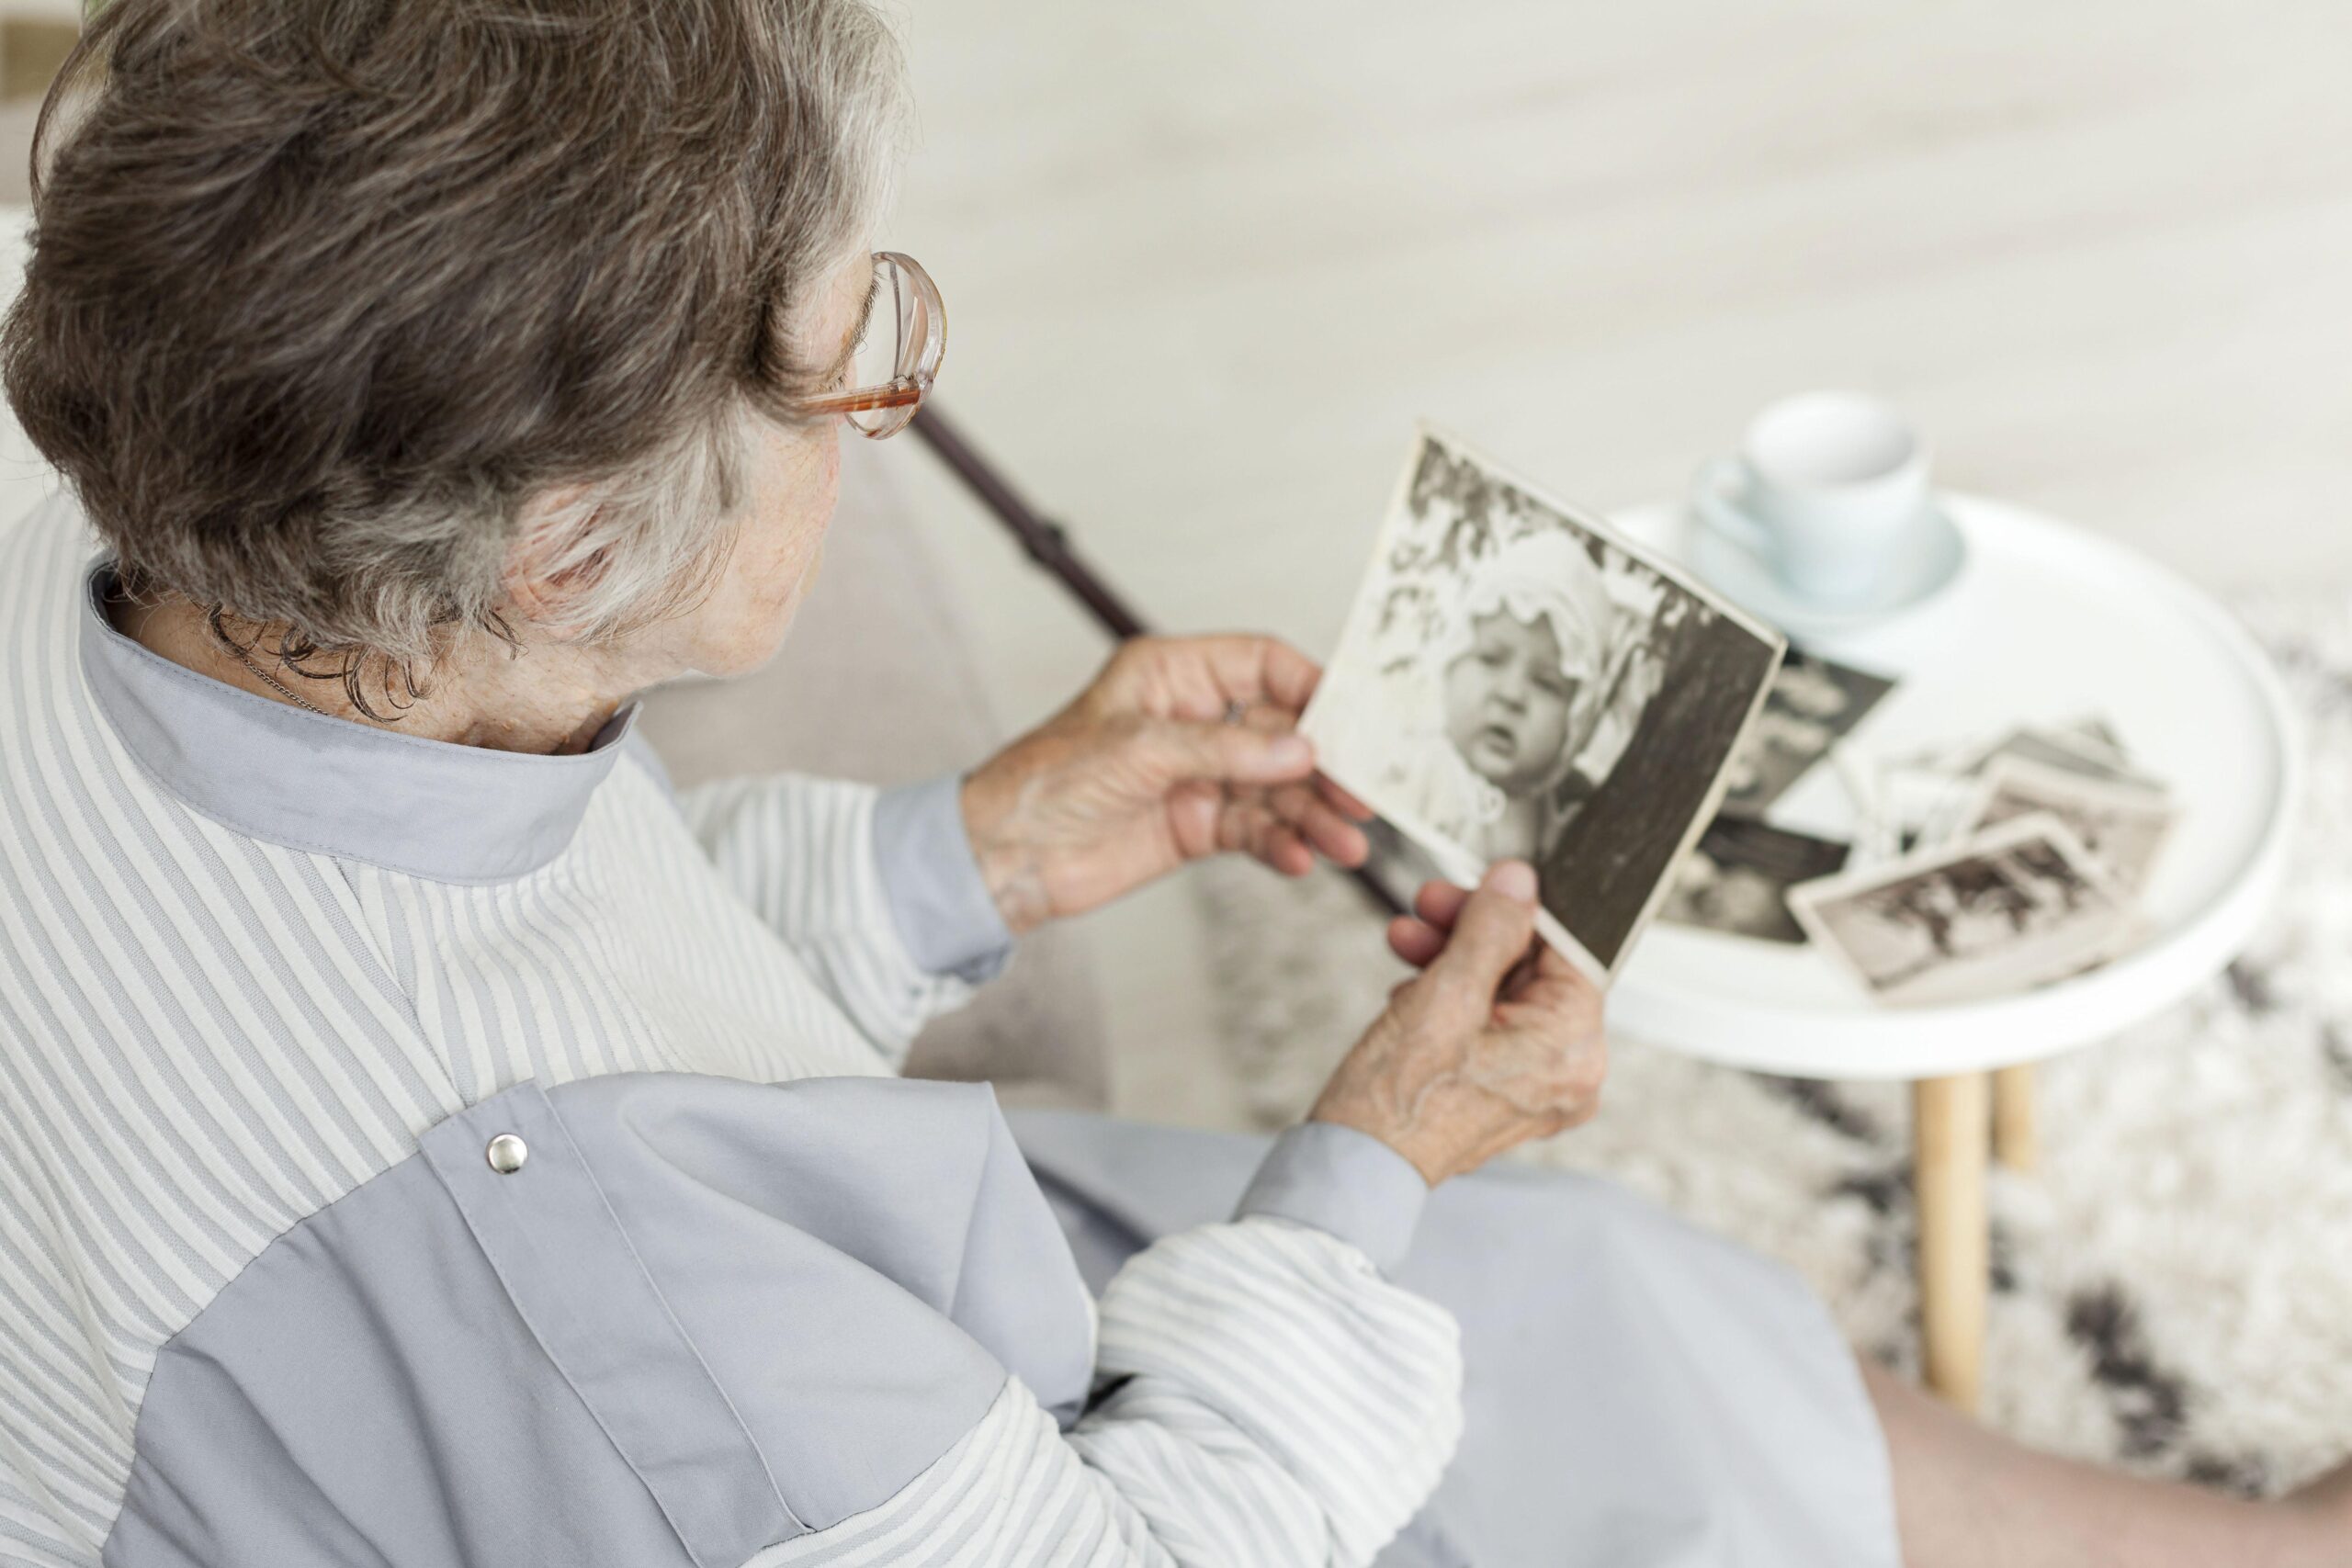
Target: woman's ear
<point x="550" y="563"/>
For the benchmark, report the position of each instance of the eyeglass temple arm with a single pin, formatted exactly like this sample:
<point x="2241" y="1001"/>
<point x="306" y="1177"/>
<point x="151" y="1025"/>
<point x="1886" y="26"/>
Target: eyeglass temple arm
<point x="1047" y="544"/>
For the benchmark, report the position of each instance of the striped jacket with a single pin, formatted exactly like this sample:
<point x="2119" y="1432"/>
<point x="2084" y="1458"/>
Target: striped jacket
<point x="420" y="1154"/>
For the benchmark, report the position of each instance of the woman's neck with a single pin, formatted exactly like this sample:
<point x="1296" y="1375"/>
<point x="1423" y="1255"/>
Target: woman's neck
<point x="548" y="698"/>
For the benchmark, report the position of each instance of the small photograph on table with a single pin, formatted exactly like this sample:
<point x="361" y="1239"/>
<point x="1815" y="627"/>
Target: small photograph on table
<point x="1737" y="878"/>
<point x="2123" y="827"/>
<point x="2015" y="906"/>
<point x="1515" y="679"/>
<point x="1813" y="704"/>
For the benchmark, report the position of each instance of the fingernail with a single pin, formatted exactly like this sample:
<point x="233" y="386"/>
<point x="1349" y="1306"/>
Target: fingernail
<point x="1512" y="879"/>
<point x="1290" y="752"/>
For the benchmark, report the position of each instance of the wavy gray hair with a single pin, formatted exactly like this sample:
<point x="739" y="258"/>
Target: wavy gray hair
<point x="329" y="298"/>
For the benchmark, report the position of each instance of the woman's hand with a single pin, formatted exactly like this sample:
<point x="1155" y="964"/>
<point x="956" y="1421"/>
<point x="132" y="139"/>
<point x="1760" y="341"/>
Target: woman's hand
<point x="1498" y="1041"/>
<point x="1144" y="771"/>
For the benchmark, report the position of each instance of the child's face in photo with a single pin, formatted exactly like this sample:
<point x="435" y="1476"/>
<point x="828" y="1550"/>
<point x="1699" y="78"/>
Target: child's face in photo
<point x="1507" y="702"/>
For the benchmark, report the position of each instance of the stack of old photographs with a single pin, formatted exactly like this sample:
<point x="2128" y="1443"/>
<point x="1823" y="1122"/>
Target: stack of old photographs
<point x="1516" y="679"/>
<point x="1973" y="871"/>
<point x="1992" y="867"/>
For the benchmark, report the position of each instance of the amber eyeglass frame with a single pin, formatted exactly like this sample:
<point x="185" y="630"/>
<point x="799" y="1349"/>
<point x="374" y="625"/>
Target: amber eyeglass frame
<point x="907" y="291"/>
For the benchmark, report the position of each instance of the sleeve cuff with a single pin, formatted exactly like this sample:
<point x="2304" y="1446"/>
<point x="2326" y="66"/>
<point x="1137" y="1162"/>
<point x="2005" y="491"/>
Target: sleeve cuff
<point x="942" y="907"/>
<point x="1346" y="1183"/>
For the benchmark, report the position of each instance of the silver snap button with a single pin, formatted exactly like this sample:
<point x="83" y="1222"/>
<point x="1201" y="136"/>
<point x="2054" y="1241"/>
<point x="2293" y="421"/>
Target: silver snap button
<point x="507" y="1152"/>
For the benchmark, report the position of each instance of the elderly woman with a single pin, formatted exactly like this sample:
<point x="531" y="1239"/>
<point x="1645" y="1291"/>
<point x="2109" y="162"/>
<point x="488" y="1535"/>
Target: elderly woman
<point x="427" y="1141"/>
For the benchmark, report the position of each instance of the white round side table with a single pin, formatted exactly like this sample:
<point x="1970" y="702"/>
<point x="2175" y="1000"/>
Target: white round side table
<point x="2045" y="623"/>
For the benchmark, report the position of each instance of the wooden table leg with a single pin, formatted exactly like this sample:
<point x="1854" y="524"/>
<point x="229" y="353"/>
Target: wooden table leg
<point x="1950" y="1137"/>
<point x="2013" y="1144"/>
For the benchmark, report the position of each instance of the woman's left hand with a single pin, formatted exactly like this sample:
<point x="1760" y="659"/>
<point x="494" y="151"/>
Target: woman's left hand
<point x="1183" y="747"/>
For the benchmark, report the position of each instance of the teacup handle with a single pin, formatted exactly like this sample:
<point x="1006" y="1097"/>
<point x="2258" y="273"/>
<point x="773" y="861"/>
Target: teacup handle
<point x="1716" y="512"/>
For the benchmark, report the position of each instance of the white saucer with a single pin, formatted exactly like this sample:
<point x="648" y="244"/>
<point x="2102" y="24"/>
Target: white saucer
<point x="1925" y="565"/>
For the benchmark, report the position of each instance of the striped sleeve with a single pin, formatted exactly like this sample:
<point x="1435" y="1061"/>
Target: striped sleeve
<point x="1281" y="1402"/>
<point x="801" y="852"/>
<point x="29" y="1526"/>
<point x="1271" y="1403"/>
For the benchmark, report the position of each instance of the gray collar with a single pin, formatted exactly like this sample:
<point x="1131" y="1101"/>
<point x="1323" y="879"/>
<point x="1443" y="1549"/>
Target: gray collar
<point x="271" y="772"/>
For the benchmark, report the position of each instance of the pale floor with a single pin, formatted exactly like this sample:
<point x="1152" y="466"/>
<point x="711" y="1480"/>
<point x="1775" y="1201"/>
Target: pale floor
<point x="1206" y="265"/>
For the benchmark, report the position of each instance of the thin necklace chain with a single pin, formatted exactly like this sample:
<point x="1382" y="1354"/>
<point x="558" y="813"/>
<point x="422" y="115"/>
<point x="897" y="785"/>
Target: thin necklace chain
<point x="246" y="660"/>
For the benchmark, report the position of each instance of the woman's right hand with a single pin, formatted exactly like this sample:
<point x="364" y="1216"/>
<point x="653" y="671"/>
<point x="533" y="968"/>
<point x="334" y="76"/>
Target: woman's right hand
<point x="1496" y="1041"/>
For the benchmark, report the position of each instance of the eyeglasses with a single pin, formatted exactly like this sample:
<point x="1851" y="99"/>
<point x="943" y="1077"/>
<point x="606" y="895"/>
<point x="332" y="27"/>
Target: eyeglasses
<point x="898" y="355"/>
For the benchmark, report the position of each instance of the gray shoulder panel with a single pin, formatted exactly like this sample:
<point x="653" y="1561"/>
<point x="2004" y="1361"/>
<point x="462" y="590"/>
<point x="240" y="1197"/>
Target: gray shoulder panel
<point x="812" y="1237"/>
<point x="566" y="1266"/>
<point x="701" y="1317"/>
<point x="364" y="1393"/>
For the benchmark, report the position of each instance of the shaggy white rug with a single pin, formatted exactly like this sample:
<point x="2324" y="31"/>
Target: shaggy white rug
<point x="2173" y="1287"/>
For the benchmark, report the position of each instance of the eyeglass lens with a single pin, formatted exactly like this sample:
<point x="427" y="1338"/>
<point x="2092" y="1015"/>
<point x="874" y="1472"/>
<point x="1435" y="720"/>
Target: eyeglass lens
<point x="889" y="345"/>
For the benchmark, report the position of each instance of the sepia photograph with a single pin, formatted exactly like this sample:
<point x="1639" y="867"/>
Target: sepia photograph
<point x="2123" y="827"/>
<point x="1813" y="704"/>
<point x="2007" y="909"/>
<point x="1737" y="879"/>
<point x="1514" y="680"/>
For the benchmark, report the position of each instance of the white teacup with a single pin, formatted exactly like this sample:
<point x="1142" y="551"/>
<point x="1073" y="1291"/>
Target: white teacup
<point x="1827" y="488"/>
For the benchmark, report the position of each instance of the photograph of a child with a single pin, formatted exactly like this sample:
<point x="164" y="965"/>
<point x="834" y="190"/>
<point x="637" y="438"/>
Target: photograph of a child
<point x="1528" y="666"/>
<point x="1515" y="679"/>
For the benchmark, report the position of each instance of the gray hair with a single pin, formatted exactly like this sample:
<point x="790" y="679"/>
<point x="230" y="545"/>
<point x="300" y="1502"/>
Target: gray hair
<point x="329" y="300"/>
